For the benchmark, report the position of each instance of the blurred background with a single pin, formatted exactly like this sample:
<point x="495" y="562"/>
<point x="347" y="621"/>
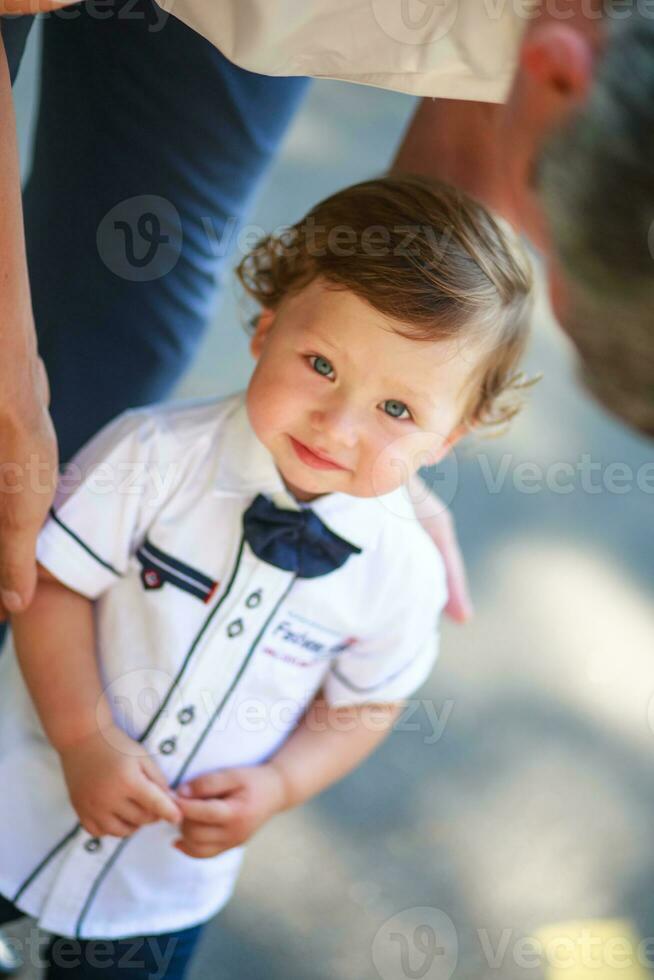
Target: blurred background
<point x="518" y="791"/>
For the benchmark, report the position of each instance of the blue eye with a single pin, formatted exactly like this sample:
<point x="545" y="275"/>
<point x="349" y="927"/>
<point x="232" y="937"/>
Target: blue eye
<point x="396" y="409"/>
<point x="321" y="365"/>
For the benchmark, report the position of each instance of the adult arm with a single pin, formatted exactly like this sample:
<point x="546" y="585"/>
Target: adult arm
<point x="457" y="141"/>
<point x="28" y="451"/>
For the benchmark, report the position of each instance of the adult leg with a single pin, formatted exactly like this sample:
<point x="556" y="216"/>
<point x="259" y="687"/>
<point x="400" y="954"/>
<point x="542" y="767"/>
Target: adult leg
<point x="163" y="957"/>
<point x="148" y="146"/>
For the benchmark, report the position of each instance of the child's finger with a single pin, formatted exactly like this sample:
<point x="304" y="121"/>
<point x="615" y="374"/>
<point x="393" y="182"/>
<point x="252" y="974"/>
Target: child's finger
<point x="199" y="850"/>
<point x="211" y="784"/>
<point x="213" y="812"/>
<point x="115" y="826"/>
<point x="91" y="827"/>
<point x="133" y="812"/>
<point x="158" y="802"/>
<point x="204" y="833"/>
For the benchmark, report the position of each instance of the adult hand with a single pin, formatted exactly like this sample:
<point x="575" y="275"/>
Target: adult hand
<point x="28" y="476"/>
<point x="224" y="809"/>
<point x="438" y="522"/>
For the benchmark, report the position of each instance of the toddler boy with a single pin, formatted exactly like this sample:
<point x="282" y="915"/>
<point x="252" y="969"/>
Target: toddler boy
<point x="233" y="603"/>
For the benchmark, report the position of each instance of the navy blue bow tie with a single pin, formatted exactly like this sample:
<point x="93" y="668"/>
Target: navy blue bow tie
<point x="295" y="540"/>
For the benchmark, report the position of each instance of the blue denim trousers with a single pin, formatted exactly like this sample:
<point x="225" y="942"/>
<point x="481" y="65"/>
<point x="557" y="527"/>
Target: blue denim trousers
<point x="161" y="957"/>
<point x="148" y="147"/>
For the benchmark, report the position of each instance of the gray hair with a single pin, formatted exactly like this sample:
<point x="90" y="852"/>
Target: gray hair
<point x="595" y="178"/>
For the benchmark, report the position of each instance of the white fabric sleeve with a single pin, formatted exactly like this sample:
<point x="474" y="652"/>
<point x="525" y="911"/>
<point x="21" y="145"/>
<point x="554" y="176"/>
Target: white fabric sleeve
<point x="395" y="659"/>
<point x="98" y="513"/>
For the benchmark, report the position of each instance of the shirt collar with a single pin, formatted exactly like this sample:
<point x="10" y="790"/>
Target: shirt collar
<point x="246" y="468"/>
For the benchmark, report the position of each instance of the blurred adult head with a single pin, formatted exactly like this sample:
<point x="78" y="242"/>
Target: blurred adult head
<point x="578" y="153"/>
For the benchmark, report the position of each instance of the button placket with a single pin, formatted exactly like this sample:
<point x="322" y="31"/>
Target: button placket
<point x="231" y="633"/>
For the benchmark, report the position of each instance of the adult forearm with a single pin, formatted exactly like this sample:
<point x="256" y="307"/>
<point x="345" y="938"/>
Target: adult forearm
<point x="328" y="744"/>
<point x="28" y="449"/>
<point x="457" y="141"/>
<point x="55" y="646"/>
<point x="18" y="363"/>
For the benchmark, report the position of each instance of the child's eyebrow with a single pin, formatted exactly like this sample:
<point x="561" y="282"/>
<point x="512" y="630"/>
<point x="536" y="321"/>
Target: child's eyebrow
<point x="317" y="337"/>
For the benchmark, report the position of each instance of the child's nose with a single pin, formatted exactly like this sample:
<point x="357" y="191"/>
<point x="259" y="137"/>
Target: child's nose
<point x="339" y="424"/>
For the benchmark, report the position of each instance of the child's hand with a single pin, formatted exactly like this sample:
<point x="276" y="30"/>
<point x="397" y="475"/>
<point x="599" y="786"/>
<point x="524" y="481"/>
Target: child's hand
<point x="224" y="809"/>
<point x="114" y="786"/>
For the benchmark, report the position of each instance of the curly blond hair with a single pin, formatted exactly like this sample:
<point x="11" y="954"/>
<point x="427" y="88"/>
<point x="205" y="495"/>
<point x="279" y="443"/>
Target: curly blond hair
<point x="427" y="256"/>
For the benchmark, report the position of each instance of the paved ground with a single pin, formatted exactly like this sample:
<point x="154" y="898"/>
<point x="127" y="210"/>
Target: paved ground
<point x="521" y="790"/>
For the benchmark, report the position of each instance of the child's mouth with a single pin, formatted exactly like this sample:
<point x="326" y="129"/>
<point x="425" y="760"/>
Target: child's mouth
<point x="312" y="459"/>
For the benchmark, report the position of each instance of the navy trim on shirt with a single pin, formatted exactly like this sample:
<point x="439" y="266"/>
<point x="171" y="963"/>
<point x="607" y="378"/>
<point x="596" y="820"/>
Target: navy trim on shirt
<point x="166" y="568"/>
<point x="83" y="544"/>
<point x="41" y="865"/>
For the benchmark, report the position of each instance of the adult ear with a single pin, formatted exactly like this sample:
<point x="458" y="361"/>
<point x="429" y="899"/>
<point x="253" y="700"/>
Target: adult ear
<point x="261" y="330"/>
<point x="558" y="58"/>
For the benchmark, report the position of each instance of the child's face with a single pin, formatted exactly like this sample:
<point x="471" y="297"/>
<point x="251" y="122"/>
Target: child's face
<point x="333" y="379"/>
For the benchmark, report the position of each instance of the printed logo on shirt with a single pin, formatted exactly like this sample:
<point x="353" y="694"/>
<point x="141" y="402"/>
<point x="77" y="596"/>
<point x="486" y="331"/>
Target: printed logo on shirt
<point x="296" y="640"/>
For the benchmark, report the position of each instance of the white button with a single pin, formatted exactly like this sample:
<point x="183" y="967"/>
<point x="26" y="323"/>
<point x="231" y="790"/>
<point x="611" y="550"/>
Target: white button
<point x="167" y="746"/>
<point x="93" y="844"/>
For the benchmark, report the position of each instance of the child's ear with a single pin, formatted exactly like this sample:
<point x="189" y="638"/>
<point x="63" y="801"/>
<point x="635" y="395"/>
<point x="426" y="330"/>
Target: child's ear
<point x="263" y="324"/>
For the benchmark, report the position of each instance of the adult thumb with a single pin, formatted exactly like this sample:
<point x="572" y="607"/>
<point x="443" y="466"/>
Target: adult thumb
<point x="17" y="569"/>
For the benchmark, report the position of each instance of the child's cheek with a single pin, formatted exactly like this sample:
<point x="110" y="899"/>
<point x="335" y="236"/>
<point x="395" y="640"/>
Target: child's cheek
<point x="271" y="403"/>
<point x="398" y="459"/>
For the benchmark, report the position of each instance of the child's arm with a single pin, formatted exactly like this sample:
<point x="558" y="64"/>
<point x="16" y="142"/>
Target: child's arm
<point x="225" y="808"/>
<point x="113" y="784"/>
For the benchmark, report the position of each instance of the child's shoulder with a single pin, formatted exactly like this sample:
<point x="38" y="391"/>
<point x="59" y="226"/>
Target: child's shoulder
<point x="183" y="419"/>
<point x="403" y="553"/>
<point x="173" y="431"/>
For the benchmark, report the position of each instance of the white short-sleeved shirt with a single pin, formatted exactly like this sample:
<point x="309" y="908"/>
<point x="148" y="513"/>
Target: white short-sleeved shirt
<point x="456" y="49"/>
<point x="208" y="655"/>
